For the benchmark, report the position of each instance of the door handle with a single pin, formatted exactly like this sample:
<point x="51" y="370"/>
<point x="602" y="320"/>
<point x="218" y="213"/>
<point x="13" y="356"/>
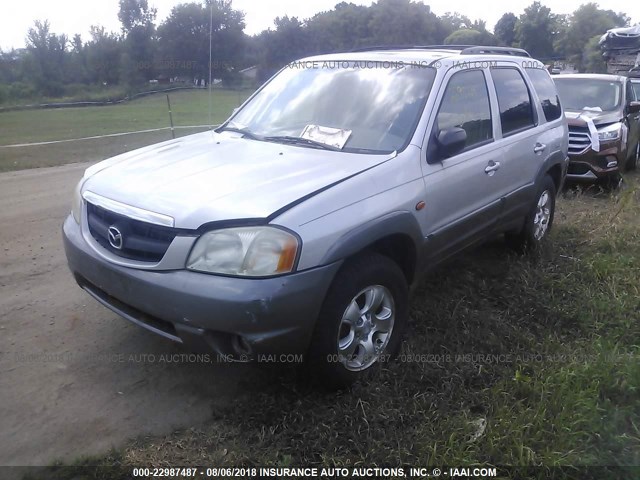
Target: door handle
<point x="491" y="168"/>
<point x="539" y="147"/>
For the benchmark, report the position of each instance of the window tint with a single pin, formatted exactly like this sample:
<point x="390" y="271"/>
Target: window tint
<point x="630" y="94"/>
<point x="546" y="90"/>
<point x="514" y="101"/>
<point x="465" y="104"/>
<point x="636" y="89"/>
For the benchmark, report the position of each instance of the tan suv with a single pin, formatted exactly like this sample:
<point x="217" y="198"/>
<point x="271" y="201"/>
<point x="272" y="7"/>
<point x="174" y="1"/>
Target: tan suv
<point x="604" y="125"/>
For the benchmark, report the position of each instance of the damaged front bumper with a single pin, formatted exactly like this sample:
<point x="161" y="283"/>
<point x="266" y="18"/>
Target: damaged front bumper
<point x="236" y="317"/>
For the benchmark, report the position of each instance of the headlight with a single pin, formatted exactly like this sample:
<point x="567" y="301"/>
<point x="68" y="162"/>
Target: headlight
<point x="611" y="132"/>
<point x="76" y="203"/>
<point x="245" y="251"/>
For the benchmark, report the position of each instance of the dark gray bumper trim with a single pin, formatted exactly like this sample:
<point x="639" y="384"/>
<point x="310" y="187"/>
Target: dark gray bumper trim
<point x="129" y="313"/>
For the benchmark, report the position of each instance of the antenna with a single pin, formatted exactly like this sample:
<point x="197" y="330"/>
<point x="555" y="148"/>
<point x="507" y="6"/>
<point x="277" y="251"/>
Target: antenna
<point x="210" y="48"/>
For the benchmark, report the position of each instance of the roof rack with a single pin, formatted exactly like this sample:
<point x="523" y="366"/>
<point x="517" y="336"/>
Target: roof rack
<point x="520" y="52"/>
<point x="463" y="49"/>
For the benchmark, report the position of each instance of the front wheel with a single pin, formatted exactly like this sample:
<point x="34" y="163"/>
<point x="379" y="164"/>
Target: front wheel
<point x="539" y="220"/>
<point x="361" y="322"/>
<point x="633" y="162"/>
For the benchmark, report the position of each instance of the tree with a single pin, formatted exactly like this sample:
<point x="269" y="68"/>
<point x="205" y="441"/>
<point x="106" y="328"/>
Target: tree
<point x="452" y="22"/>
<point x="10" y="63"/>
<point x="468" y="36"/>
<point x="505" y="29"/>
<point x="403" y="22"/>
<point x="76" y="67"/>
<point x="46" y="58"/>
<point x="103" y="53"/>
<point x="287" y="43"/>
<point x="344" y="28"/>
<point x="184" y="40"/>
<point x="587" y="21"/>
<point x="135" y="13"/>
<point x="535" y="29"/>
<point x="456" y="21"/>
<point x="591" y="58"/>
<point x="137" y="19"/>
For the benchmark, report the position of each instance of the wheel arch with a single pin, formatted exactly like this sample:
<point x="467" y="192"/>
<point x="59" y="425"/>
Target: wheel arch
<point x="555" y="167"/>
<point x="396" y="235"/>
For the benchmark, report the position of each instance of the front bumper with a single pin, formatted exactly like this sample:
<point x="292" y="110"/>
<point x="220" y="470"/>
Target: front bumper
<point x="590" y="165"/>
<point x="228" y="315"/>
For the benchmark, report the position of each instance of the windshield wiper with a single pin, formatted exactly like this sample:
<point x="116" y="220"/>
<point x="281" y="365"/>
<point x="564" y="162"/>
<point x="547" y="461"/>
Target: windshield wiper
<point x="243" y="131"/>
<point x="301" y="141"/>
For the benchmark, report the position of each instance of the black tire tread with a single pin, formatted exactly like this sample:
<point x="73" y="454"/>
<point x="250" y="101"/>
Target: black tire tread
<point x="354" y="275"/>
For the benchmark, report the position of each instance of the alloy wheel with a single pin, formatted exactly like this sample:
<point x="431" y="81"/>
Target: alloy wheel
<point x="366" y="327"/>
<point x="543" y="215"/>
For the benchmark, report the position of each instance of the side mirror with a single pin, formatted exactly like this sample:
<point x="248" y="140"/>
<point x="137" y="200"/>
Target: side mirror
<point x="634" y="107"/>
<point x="451" y="141"/>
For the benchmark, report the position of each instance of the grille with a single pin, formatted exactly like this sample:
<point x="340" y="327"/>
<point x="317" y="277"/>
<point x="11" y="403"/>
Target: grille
<point x="140" y="240"/>
<point x="579" y="140"/>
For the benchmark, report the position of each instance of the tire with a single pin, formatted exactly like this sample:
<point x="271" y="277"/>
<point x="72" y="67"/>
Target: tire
<point x="633" y="162"/>
<point x="348" y="343"/>
<point x="538" y="222"/>
<point x="612" y="182"/>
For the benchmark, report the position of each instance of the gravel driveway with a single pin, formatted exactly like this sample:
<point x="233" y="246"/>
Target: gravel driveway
<point x="75" y="379"/>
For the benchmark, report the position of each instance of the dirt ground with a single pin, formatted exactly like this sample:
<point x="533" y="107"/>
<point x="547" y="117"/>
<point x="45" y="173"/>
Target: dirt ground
<point x="75" y="379"/>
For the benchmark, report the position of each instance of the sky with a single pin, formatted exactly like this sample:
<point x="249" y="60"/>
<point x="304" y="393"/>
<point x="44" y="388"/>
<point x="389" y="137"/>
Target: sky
<point x="76" y="16"/>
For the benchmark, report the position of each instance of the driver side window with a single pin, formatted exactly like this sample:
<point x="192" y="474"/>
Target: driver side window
<point x="465" y="105"/>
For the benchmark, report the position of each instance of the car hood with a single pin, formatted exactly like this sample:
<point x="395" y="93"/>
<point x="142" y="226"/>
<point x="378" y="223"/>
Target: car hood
<point x="212" y="177"/>
<point x="578" y="118"/>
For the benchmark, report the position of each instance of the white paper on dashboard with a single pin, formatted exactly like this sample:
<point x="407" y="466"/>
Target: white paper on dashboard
<point x="335" y="137"/>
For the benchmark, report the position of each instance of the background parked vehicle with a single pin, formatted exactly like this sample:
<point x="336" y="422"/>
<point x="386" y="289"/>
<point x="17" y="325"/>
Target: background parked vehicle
<point x="603" y="112"/>
<point x="635" y="83"/>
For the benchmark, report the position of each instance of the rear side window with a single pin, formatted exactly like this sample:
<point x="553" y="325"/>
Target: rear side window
<point x="465" y="104"/>
<point x="516" y="112"/>
<point x="547" y="93"/>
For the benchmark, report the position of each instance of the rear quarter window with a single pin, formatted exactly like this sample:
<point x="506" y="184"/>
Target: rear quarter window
<point x="547" y="93"/>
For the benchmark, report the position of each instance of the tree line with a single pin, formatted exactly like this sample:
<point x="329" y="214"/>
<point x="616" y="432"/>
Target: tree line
<point x="177" y="48"/>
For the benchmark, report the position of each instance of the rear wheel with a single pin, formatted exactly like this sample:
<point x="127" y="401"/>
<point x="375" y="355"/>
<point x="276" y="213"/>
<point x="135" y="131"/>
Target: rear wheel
<point x="361" y="322"/>
<point x="539" y="220"/>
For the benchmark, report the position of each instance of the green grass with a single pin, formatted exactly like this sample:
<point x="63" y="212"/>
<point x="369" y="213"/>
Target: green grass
<point x="543" y="351"/>
<point x="190" y="107"/>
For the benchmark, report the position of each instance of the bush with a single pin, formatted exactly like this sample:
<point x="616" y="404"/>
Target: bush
<point x="21" y="90"/>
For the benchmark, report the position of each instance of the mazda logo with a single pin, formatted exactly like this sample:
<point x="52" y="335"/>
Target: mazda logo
<point x="115" y="238"/>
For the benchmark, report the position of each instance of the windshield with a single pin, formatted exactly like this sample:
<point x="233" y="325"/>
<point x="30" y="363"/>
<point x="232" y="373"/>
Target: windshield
<point x="366" y="106"/>
<point x="589" y="94"/>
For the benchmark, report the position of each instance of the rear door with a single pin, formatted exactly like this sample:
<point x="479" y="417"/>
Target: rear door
<point x="462" y="201"/>
<point x="524" y="143"/>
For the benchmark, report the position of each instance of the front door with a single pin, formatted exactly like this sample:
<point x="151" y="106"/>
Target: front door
<point x="461" y="194"/>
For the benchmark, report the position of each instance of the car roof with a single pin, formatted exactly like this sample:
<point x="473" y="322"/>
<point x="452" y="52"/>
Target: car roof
<point x="426" y="54"/>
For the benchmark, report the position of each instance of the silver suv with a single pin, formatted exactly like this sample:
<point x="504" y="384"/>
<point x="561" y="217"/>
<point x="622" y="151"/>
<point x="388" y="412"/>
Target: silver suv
<point x="298" y="226"/>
